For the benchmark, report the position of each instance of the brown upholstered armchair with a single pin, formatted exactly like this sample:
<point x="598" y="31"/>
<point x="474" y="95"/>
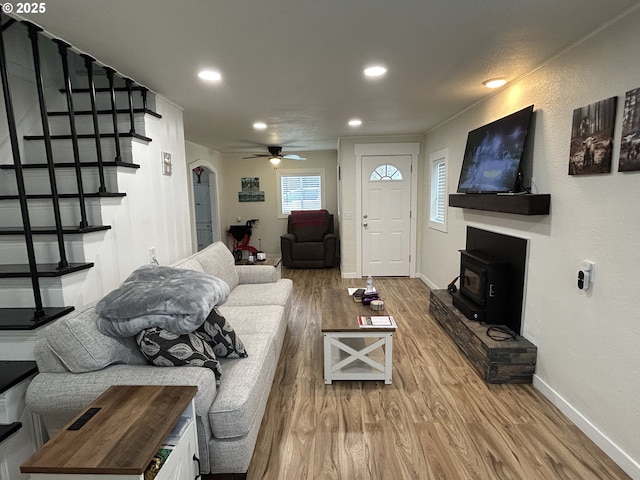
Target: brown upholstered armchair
<point x="310" y="241"/>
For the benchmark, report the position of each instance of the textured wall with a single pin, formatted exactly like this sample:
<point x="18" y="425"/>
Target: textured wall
<point x="588" y="355"/>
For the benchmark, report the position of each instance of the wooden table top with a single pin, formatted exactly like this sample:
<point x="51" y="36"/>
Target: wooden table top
<point x="269" y="261"/>
<point x="121" y="438"/>
<point x="340" y="312"/>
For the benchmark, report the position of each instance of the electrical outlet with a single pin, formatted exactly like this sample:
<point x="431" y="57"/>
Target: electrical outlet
<point x="152" y="255"/>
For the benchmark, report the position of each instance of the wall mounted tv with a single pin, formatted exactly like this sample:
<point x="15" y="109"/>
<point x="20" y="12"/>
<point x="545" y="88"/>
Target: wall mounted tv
<point x="492" y="157"/>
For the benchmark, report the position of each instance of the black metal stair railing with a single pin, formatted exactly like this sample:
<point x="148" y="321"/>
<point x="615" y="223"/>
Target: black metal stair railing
<point x="114" y="112"/>
<point x="33" y="36"/>
<point x="39" y="311"/>
<point x="88" y="63"/>
<point x="129" y="83"/>
<point x="63" y="49"/>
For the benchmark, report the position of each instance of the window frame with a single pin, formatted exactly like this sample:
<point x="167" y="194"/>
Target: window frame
<point x="438" y="190"/>
<point x="300" y="172"/>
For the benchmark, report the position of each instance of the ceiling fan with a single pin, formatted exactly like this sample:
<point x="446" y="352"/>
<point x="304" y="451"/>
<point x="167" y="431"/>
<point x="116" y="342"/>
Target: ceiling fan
<point x="275" y="155"/>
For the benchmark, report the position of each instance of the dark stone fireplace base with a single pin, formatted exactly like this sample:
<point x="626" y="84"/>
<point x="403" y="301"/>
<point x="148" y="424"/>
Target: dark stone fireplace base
<point x="511" y="361"/>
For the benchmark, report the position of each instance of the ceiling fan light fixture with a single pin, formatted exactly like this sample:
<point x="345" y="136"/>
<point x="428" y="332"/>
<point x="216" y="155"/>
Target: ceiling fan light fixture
<point x="495" y="82"/>
<point x="275" y="160"/>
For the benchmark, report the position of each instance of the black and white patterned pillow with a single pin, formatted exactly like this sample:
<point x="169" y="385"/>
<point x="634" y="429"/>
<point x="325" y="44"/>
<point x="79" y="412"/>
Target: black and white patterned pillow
<point x="165" y="349"/>
<point x="220" y="334"/>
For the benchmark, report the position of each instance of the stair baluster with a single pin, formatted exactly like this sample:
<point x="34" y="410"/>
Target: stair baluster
<point x="88" y="63"/>
<point x="63" y="48"/>
<point x="33" y="36"/>
<point x="39" y="312"/>
<point x="128" y="82"/>
<point x="114" y="112"/>
<point x="143" y="93"/>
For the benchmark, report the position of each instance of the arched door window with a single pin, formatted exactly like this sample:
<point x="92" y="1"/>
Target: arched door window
<point x="386" y="173"/>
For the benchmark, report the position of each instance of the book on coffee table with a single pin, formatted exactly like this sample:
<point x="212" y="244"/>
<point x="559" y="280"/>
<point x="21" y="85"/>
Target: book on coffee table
<point x="376" y="321"/>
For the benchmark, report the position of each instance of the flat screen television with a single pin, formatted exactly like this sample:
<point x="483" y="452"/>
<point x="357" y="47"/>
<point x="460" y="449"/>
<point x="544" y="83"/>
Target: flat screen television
<point x="492" y="157"/>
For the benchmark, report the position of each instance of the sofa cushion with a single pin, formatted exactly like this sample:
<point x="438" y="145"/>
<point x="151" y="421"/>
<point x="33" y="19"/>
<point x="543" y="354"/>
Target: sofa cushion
<point x="219" y="333"/>
<point x="278" y="293"/>
<point x="245" y="385"/>
<point x="76" y="341"/>
<point x="166" y="349"/>
<point x="189" y="264"/>
<point x="217" y="260"/>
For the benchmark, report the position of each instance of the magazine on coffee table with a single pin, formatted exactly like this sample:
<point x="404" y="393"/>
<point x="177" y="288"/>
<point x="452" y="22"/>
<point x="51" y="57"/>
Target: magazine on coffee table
<point x="376" y="321"/>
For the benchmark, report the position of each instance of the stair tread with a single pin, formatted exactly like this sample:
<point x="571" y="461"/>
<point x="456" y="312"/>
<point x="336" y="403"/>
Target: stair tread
<point x="7" y="430"/>
<point x="72" y="165"/>
<point x="50" y="230"/>
<point x="89" y="135"/>
<point x="62" y="113"/>
<point x="13" y="372"/>
<point x="36" y="196"/>
<point x="22" y="318"/>
<point x="20" y="270"/>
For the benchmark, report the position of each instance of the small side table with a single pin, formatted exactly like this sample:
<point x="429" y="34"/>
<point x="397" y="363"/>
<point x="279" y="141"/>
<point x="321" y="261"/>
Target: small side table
<point x="116" y="437"/>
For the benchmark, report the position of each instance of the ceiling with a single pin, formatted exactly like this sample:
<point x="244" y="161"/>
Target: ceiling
<point x="297" y="64"/>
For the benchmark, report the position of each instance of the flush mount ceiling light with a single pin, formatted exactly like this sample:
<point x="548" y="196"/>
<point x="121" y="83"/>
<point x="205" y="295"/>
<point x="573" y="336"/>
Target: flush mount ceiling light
<point x="375" y="71"/>
<point x="355" y="122"/>
<point x="259" y="125"/>
<point x="275" y="160"/>
<point x="494" y="82"/>
<point x="210" y="75"/>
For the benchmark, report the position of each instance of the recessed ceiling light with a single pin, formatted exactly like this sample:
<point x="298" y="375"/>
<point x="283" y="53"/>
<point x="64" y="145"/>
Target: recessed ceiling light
<point x="494" y="82"/>
<point x="210" y="75"/>
<point x="375" y="71"/>
<point x="259" y="125"/>
<point x="355" y="122"/>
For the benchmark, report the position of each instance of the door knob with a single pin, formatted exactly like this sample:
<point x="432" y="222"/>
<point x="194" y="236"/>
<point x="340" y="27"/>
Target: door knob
<point x="366" y="216"/>
<point x="365" y="224"/>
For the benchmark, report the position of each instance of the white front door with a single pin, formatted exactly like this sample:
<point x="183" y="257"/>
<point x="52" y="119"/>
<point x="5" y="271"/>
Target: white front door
<point x="386" y="215"/>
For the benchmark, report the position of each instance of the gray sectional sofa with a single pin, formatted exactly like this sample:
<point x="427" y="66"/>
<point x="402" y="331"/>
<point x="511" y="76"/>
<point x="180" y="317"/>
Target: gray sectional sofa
<point x="77" y="363"/>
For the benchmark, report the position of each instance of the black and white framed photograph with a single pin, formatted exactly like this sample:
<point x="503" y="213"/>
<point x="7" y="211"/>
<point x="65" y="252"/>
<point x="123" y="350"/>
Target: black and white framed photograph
<point x="251" y="196"/>
<point x="250" y="184"/>
<point x="591" y="149"/>
<point x="630" y="142"/>
<point x="166" y="164"/>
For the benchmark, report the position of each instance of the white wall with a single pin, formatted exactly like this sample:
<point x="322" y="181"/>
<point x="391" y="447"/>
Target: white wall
<point x="588" y="342"/>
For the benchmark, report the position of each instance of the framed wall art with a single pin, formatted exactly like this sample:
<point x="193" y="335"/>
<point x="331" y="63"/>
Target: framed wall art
<point x="592" y="138"/>
<point x="630" y="142"/>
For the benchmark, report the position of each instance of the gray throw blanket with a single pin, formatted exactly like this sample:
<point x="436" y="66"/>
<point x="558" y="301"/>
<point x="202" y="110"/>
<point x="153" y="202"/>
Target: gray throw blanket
<point x="175" y="299"/>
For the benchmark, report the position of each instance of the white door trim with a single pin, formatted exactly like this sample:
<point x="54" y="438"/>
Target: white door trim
<point x="380" y="149"/>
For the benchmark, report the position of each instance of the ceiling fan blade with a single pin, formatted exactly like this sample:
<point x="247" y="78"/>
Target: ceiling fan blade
<point x="294" y="157"/>
<point x="257" y="155"/>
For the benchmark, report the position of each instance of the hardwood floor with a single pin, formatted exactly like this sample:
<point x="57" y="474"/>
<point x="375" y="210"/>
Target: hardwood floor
<point x="438" y="420"/>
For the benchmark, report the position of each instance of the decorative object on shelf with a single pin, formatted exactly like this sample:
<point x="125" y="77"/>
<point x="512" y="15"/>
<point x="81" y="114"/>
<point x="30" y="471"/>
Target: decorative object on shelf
<point x="591" y="148"/>
<point x="630" y="143"/>
<point x="198" y="171"/>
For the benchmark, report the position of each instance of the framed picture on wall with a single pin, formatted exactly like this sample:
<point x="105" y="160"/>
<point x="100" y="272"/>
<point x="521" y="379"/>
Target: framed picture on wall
<point x="592" y="138"/>
<point x="630" y="142"/>
<point x="250" y="184"/>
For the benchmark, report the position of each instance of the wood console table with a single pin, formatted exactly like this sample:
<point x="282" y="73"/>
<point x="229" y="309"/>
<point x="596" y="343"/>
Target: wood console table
<point x="117" y="436"/>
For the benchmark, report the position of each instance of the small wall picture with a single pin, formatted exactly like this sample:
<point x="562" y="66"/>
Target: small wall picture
<point x="166" y="163"/>
<point x="592" y="138"/>
<point x="251" y="196"/>
<point x="630" y="142"/>
<point x="250" y="184"/>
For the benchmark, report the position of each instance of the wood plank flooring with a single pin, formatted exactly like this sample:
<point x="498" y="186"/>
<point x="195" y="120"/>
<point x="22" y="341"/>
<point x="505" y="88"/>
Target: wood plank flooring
<point x="438" y="420"/>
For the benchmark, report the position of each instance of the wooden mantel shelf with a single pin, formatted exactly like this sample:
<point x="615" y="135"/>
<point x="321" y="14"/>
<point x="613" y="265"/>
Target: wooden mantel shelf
<point x="521" y="204"/>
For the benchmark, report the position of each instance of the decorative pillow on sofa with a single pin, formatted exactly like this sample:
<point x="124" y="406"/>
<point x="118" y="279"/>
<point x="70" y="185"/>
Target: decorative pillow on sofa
<point x="220" y="334"/>
<point x="166" y="349"/>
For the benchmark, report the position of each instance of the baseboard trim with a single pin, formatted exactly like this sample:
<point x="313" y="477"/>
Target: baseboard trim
<point x="619" y="456"/>
<point x="427" y="282"/>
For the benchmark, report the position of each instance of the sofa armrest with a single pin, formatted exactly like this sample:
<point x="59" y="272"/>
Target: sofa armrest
<point x="286" y="248"/>
<point x="257" y="274"/>
<point x="58" y="397"/>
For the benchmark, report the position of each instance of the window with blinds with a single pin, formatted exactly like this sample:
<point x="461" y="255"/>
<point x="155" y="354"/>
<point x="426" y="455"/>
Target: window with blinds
<point x="300" y="191"/>
<point x="438" y="207"/>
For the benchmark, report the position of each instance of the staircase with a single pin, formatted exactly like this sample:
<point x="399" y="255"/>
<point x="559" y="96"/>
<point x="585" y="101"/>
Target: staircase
<point x="72" y="131"/>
